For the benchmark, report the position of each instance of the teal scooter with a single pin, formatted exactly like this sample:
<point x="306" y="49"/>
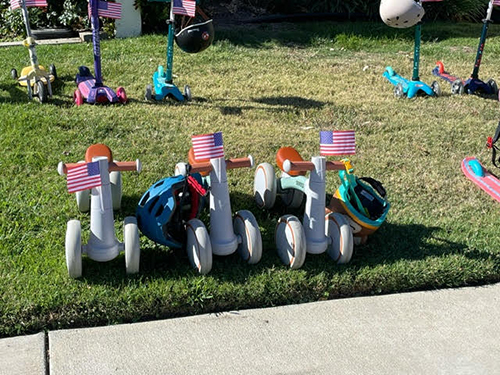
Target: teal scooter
<point x="192" y="39"/>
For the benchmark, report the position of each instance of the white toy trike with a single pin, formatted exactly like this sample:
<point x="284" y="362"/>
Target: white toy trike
<point x="227" y="234"/>
<point x="318" y="232"/>
<point x="103" y="245"/>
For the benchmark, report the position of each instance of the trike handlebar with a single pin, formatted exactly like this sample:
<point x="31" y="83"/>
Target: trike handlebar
<point x="230" y="164"/>
<point x="118" y="166"/>
<point x="302" y="166"/>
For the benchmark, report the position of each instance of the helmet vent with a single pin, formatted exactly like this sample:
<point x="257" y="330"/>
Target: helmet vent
<point x="159" y="183"/>
<point x="144" y="199"/>
<point x="159" y="211"/>
<point x="153" y="203"/>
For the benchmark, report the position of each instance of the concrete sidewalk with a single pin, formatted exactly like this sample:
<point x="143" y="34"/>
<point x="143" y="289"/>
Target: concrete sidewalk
<point x="455" y="331"/>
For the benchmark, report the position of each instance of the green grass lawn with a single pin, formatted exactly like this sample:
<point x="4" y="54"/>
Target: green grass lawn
<point x="265" y="87"/>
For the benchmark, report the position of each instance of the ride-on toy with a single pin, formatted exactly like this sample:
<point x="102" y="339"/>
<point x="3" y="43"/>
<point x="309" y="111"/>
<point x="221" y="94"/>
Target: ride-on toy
<point x="192" y="39"/>
<point x="35" y="77"/>
<point x="318" y="232"/>
<point x="227" y="233"/>
<point x="102" y="245"/>
<point x="91" y="89"/>
<point x="473" y="84"/>
<point x="411" y="88"/>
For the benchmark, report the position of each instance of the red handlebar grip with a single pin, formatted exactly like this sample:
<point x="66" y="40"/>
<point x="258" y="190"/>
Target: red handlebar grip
<point x="335" y="166"/>
<point x="230" y="164"/>
<point x="299" y="166"/>
<point x="123" y="166"/>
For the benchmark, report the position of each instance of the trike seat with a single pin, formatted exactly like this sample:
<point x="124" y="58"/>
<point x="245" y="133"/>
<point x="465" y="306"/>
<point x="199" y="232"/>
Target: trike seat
<point x="291" y="154"/>
<point x="98" y="149"/>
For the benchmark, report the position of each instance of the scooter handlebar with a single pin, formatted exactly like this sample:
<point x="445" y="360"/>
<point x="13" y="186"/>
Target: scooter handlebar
<point x="302" y="166"/>
<point x="230" y="164"/>
<point x="119" y="166"/>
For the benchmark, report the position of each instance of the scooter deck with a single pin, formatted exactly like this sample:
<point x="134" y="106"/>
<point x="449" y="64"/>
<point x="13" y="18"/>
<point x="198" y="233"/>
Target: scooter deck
<point x="28" y="70"/>
<point x="410" y="88"/>
<point x="475" y="171"/>
<point x="164" y="89"/>
<point x="94" y="94"/>
<point x="439" y="71"/>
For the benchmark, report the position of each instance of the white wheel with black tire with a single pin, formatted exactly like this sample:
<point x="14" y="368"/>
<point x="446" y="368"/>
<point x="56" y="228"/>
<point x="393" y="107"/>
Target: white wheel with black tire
<point x="115" y="179"/>
<point x="198" y="246"/>
<point x="340" y="239"/>
<point x="73" y="247"/>
<point x="264" y="186"/>
<point x="132" y="247"/>
<point x="246" y="228"/>
<point x="291" y="241"/>
<point x="181" y="169"/>
<point x="292" y="198"/>
<point x="83" y="200"/>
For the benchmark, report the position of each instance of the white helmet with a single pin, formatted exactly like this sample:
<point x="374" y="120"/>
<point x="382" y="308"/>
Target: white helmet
<point x="401" y="13"/>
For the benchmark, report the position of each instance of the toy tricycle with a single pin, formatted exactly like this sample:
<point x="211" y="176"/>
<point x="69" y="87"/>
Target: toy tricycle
<point x="318" y="233"/>
<point x="91" y="89"/>
<point x="227" y="234"/>
<point x="102" y="245"/>
<point x="35" y="77"/>
<point x="192" y="39"/>
<point x="473" y="84"/>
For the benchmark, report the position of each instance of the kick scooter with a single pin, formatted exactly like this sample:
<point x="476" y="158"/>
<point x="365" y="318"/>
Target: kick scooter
<point x="227" y="233"/>
<point x="36" y="79"/>
<point x="318" y="232"/>
<point x="91" y="89"/>
<point x="411" y="88"/>
<point x="103" y="245"/>
<point x="473" y="84"/>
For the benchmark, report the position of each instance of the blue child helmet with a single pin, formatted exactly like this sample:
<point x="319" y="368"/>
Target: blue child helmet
<point x="160" y="213"/>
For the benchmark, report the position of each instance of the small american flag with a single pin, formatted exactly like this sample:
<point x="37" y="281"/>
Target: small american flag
<point x="184" y="7"/>
<point x="84" y="176"/>
<point x="208" y="146"/>
<point x="496" y="2"/>
<point x="337" y="142"/>
<point x="108" y="9"/>
<point x="14" y="4"/>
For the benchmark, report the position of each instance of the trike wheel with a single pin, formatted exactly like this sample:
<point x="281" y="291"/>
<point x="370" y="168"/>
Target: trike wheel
<point x="457" y="87"/>
<point x="398" y="91"/>
<point x="291" y="241"/>
<point x="78" y="97"/>
<point x="340" y="240"/>
<point x="83" y="200"/>
<point x="493" y="86"/>
<point x="149" y="93"/>
<point x="53" y="71"/>
<point x="264" y="186"/>
<point x="292" y="198"/>
<point x="131" y="242"/>
<point x="122" y="95"/>
<point x="115" y="178"/>
<point x="187" y="93"/>
<point x="41" y="92"/>
<point x="198" y="246"/>
<point x="436" y="89"/>
<point x="13" y="74"/>
<point x="73" y="245"/>
<point x="246" y="227"/>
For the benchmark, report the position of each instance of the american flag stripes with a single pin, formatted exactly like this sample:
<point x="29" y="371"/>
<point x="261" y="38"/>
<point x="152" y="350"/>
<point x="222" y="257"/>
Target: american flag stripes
<point x="108" y="9"/>
<point x="14" y="4"/>
<point x="208" y="146"/>
<point x="184" y="7"/>
<point x="496" y="2"/>
<point x="84" y="176"/>
<point x="337" y="142"/>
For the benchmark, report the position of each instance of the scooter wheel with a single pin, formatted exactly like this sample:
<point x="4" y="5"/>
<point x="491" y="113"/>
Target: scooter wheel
<point x="493" y="86"/>
<point x="149" y="93"/>
<point x="457" y="87"/>
<point x="436" y="89"/>
<point x="398" y="91"/>
<point x="13" y="74"/>
<point x="41" y="92"/>
<point x="291" y="241"/>
<point x="78" y="97"/>
<point x="340" y="243"/>
<point x="73" y="246"/>
<point x="83" y="200"/>
<point x="246" y="228"/>
<point x="131" y="242"/>
<point x="122" y="95"/>
<point x="187" y="93"/>
<point x="53" y="71"/>
<point x="198" y="246"/>
<point x="292" y="198"/>
<point x="115" y="178"/>
<point x="264" y="186"/>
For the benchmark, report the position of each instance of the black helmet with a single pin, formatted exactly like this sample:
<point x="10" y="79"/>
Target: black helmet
<point x="195" y="38"/>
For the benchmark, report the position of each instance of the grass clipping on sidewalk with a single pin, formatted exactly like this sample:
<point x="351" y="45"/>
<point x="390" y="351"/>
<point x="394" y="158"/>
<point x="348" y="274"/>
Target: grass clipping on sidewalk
<point x="263" y="87"/>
